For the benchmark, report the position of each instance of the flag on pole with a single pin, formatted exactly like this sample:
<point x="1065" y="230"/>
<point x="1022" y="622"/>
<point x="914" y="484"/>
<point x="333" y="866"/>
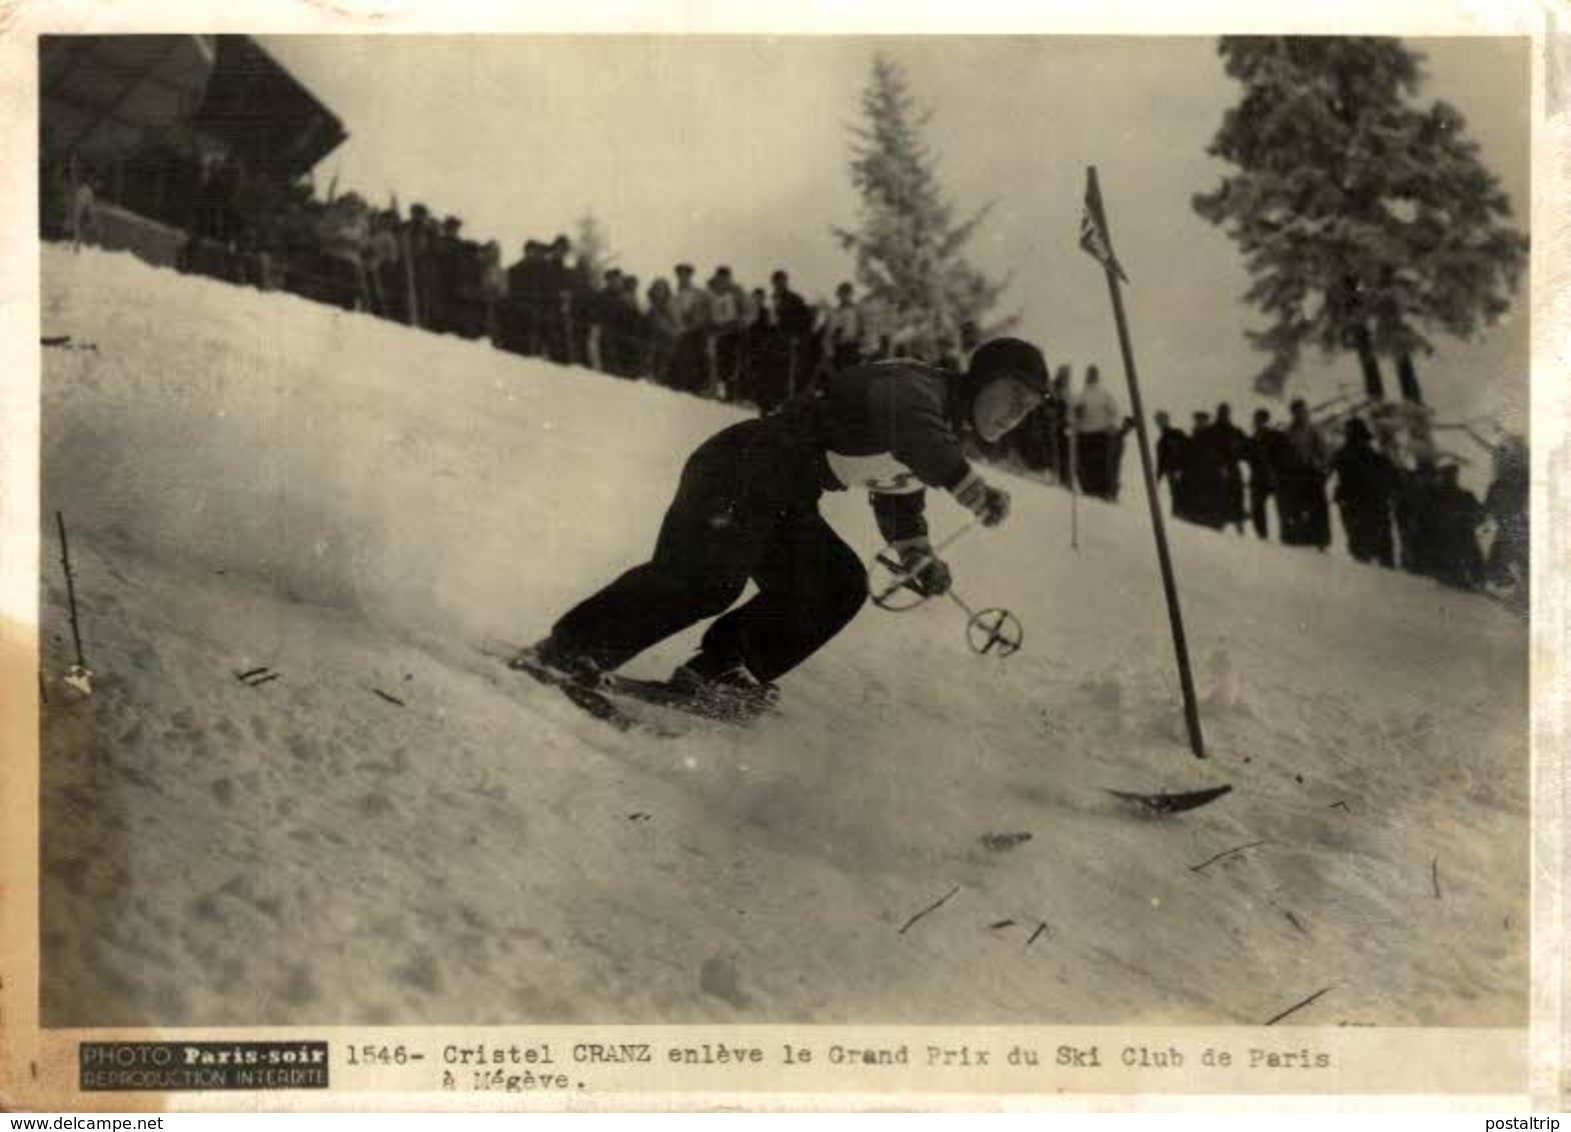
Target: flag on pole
<point x="1094" y="239"/>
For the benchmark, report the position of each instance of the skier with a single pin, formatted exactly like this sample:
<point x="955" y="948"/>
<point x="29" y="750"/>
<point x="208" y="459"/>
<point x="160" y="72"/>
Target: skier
<point x="747" y="507"/>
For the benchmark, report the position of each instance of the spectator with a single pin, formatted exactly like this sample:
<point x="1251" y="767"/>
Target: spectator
<point x="422" y="237"/>
<point x="1415" y="517"/>
<point x="1172" y="457"/>
<point x="384" y="266"/>
<point x="1228" y="446"/>
<point x="555" y="302"/>
<point x="607" y="310"/>
<point x="1458" y="561"/>
<point x="691" y="302"/>
<point x="631" y="330"/>
<point x="665" y="327"/>
<point x="1264" y="456"/>
<point x="1115" y="459"/>
<point x="493" y="290"/>
<point x="85" y="224"/>
<point x="755" y="305"/>
<point x="789" y="362"/>
<point x="1366" y="487"/>
<point x="1063" y="400"/>
<point x="726" y="323"/>
<point x="343" y="232"/>
<point x="845" y="330"/>
<point x="465" y="281"/>
<point x="690" y="362"/>
<point x="447" y="257"/>
<point x="595" y="310"/>
<point x="1202" y="475"/>
<point x="1506" y="503"/>
<point x="521" y="323"/>
<point x="209" y="220"/>
<point x="1097" y="422"/>
<point x="1032" y="438"/>
<point x="1306" y="517"/>
<point x="758" y="337"/>
<point x="1045" y="430"/>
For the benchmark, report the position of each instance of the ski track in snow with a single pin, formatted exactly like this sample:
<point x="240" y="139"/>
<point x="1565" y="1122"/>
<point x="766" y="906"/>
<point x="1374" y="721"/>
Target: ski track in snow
<point x="256" y="480"/>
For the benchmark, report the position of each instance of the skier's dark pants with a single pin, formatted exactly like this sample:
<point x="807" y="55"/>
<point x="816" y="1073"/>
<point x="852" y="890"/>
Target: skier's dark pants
<point x="746" y="507"/>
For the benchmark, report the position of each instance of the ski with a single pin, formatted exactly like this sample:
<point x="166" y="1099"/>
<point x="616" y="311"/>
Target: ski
<point x="591" y="701"/>
<point x="602" y="702"/>
<point x="1170" y="803"/>
<point x="661" y="694"/>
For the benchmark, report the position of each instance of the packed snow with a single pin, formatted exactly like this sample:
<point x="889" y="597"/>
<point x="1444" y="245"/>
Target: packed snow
<point x="398" y="829"/>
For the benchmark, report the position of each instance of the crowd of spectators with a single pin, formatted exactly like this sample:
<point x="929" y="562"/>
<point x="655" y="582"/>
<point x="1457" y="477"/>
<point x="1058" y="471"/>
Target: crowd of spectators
<point x="1418" y="518"/>
<point x="718" y="338"/>
<point x="1415" y="514"/>
<point x="723" y="340"/>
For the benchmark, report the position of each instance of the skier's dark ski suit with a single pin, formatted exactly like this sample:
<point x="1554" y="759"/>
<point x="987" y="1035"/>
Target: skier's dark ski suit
<point x="747" y="507"/>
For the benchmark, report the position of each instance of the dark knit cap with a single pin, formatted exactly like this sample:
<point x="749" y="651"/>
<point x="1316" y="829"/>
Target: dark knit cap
<point x="1013" y="357"/>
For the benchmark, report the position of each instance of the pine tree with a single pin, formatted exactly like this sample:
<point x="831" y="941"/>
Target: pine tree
<point x="1366" y="222"/>
<point x="908" y="247"/>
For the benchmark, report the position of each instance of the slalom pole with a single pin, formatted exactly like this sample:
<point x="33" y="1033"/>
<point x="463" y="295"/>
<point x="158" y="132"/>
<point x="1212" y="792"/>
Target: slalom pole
<point x="1169" y="585"/>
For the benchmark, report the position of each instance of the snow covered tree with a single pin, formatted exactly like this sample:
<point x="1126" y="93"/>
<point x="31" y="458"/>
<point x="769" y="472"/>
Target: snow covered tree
<point x="1366" y="221"/>
<point x="908" y="246"/>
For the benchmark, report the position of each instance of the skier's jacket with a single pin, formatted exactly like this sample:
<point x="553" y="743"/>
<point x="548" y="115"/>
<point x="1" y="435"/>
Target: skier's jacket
<point x="892" y="429"/>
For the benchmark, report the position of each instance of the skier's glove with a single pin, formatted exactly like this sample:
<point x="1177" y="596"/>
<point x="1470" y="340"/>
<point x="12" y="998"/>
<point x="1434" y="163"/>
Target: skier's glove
<point x="928" y="574"/>
<point x="986" y="502"/>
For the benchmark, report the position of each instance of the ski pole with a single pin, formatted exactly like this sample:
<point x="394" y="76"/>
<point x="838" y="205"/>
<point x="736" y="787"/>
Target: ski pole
<point x="958" y="600"/>
<point x="904" y="576"/>
<point x="1004" y="634"/>
<point x="964" y="528"/>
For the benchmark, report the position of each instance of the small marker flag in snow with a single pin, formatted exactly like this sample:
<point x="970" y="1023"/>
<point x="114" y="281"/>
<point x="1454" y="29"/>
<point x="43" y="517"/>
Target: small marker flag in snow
<point x="1094" y="239"/>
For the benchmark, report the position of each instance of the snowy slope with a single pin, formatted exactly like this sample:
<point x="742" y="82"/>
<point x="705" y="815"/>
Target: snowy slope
<point x="254" y="480"/>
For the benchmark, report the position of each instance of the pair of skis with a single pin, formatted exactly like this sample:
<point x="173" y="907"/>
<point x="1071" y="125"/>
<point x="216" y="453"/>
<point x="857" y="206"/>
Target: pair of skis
<point x="610" y="702"/>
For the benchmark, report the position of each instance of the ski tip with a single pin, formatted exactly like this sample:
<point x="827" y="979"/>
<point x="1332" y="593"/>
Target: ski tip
<point x="1171" y="803"/>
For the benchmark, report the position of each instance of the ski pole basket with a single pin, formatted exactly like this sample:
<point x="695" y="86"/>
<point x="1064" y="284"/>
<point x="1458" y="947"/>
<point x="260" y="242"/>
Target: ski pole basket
<point x="994" y="631"/>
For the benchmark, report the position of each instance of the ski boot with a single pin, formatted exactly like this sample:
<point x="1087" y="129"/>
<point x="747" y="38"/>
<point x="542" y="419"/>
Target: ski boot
<point x="725" y="690"/>
<point x="567" y="665"/>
